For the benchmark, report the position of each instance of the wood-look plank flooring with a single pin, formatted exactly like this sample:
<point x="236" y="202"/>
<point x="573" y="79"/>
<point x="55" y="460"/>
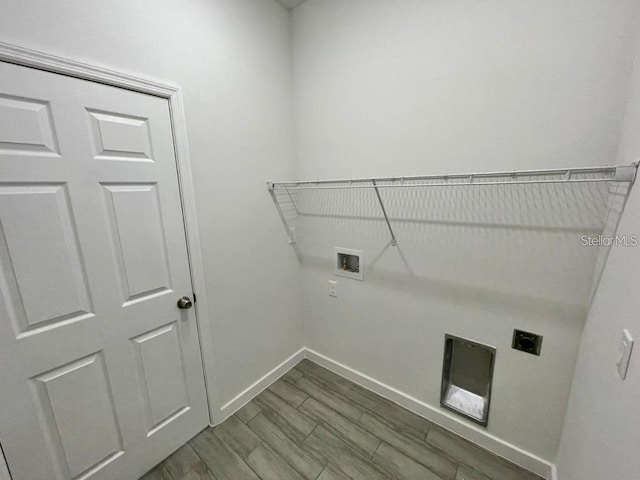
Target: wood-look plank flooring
<point x="313" y="424"/>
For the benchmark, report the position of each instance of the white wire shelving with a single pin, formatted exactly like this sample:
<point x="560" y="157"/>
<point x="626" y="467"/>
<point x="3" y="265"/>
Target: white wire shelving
<point x="617" y="173"/>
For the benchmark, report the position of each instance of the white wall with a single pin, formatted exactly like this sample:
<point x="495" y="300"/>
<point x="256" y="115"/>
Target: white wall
<point x="232" y="60"/>
<point x="601" y="438"/>
<point x="413" y="87"/>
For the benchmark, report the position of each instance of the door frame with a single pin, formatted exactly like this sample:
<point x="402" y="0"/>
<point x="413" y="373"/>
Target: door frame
<point x="10" y="53"/>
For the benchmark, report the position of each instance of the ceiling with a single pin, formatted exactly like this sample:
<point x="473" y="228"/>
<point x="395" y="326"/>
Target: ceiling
<point x="291" y="3"/>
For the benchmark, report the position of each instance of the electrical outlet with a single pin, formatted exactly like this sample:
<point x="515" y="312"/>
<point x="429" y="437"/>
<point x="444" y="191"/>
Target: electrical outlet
<point x="626" y="346"/>
<point x="333" y="288"/>
<point x="526" y="342"/>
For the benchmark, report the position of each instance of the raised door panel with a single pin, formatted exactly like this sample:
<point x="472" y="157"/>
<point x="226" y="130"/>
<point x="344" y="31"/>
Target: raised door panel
<point x="78" y="416"/>
<point x="26" y="127"/>
<point x="43" y="282"/>
<point x="161" y="371"/>
<point x="139" y="240"/>
<point x="120" y="137"/>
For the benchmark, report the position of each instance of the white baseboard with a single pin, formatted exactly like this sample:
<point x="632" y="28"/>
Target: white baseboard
<point x="439" y="417"/>
<point x="263" y="382"/>
<point x="554" y="472"/>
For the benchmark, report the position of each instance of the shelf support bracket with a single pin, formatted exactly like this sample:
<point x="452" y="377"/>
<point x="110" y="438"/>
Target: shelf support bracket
<point x="384" y="212"/>
<point x="289" y="230"/>
<point x="626" y="173"/>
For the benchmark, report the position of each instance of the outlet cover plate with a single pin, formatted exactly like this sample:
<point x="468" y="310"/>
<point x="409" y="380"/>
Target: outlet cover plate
<point x="333" y="288"/>
<point x="626" y="346"/>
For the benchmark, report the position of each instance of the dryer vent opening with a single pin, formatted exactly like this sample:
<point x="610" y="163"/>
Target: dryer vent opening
<point x="467" y="375"/>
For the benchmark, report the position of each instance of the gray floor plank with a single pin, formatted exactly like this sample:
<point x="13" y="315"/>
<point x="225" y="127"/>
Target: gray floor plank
<point x="270" y="466"/>
<point x="327" y="377"/>
<point x="347" y="431"/>
<point x="181" y="461"/>
<point x="413" y="447"/>
<point x="197" y="476"/>
<point x="247" y="412"/>
<point x="293" y="433"/>
<point x="466" y="473"/>
<point x="237" y="436"/>
<point x="289" y="393"/>
<point x="292" y="375"/>
<point x="283" y="445"/>
<point x="316" y="425"/>
<point x="388" y="410"/>
<point x="224" y="463"/>
<point x="477" y="458"/>
<point x="400" y="466"/>
<point x="157" y="473"/>
<point x="293" y="422"/>
<point x="198" y="473"/>
<point x="329" y="474"/>
<point x="341" y="457"/>
<point x="340" y="404"/>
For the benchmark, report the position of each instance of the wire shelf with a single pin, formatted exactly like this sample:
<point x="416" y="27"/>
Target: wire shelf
<point x="623" y="174"/>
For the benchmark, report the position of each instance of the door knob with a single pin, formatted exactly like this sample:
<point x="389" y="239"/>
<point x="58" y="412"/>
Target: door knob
<point x="185" y="303"/>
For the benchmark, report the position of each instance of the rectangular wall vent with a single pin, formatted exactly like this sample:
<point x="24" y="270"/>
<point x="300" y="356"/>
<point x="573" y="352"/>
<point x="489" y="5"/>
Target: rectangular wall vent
<point x="467" y="375"/>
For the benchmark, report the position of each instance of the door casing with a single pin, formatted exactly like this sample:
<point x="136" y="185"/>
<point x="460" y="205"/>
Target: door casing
<point x="29" y="58"/>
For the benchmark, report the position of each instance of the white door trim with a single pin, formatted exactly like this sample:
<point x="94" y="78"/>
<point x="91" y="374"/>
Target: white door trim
<point x="51" y="63"/>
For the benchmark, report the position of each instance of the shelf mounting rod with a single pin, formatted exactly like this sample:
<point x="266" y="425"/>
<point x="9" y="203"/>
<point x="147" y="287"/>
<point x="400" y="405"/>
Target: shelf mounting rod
<point x="384" y="212"/>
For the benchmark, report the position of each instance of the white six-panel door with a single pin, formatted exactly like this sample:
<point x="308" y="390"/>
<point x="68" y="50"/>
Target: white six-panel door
<point x="100" y="372"/>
